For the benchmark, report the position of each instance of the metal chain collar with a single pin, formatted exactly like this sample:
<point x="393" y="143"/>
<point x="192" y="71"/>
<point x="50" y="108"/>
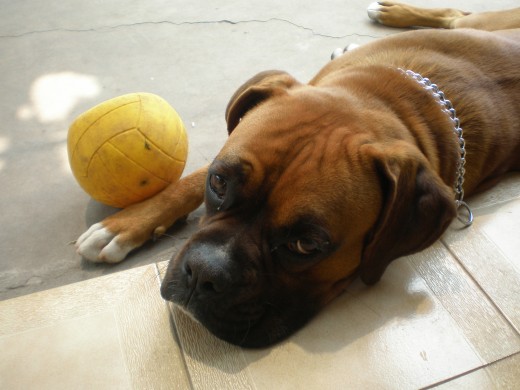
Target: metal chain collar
<point x="447" y="107"/>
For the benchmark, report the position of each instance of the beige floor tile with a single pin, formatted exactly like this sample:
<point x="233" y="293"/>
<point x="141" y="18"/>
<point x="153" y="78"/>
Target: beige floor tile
<point x="52" y="306"/>
<point x="82" y="351"/>
<point x="504" y="191"/>
<point x="490" y="334"/>
<point x="504" y="374"/>
<point x="501" y="224"/>
<point x="110" y="332"/>
<point x="490" y="252"/>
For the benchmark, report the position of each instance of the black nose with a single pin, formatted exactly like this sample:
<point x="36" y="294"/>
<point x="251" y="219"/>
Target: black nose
<point x="202" y="270"/>
<point x="206" y="275"/>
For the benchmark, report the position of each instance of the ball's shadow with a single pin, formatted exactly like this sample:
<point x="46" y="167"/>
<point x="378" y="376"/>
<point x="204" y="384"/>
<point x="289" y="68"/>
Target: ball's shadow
<point x="96" y="212"/>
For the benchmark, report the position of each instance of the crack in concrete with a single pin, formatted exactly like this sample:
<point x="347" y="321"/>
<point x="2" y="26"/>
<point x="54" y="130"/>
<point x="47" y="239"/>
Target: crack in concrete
<point x="223" y="21"/>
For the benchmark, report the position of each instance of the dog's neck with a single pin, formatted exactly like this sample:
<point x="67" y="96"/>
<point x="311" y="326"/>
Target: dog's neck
<point x="447" y="107"/>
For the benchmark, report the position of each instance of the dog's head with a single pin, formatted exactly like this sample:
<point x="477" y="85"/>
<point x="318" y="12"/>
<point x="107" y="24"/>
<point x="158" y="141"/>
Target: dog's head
<point x="305" y="195"/>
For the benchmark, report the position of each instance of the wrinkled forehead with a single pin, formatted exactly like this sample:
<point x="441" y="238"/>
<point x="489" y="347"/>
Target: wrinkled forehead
<point x="288" y="116"/>
<point x="282" y="130"/>
<point x="291" y="182"/>
<point x="278" y="163"/>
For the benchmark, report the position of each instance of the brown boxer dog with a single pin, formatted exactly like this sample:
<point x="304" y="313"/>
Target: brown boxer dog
<point x="321" y="182"/>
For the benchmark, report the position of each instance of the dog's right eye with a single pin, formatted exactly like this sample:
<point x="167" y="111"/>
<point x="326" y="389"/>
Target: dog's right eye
<point x="218" y="185"/>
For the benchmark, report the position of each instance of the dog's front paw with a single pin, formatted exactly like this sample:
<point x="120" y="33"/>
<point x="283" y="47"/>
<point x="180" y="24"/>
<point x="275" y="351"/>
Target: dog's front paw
<point x="99" y="244"/>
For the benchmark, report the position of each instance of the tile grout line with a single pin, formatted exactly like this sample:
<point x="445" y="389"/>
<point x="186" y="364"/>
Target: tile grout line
<point x="174" y="326"/>
<point x="462" y="374"/>
<point x="488" y="297"/>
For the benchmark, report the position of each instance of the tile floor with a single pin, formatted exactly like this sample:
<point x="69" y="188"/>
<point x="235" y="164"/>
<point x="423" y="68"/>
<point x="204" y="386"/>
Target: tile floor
<point x="448" y="317"/>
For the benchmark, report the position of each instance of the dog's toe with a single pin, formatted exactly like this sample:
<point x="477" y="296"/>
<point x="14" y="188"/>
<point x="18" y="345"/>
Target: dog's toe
<point x="114" y="252"/>
<point x="337" y="53"/>
<point x="374" y="11"/>
<point x="352" y="46"/>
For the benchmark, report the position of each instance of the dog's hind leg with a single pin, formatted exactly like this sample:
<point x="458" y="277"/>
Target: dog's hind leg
<point x="490" y="21"/>
<point x="395" y="14"/>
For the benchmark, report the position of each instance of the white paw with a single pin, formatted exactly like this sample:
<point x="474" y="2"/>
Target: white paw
<point x="374" y="11"/>
<point x="98" y="244"/>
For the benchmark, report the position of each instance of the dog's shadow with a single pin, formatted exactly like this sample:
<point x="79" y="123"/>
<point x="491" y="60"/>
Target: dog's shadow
<point x="365" y="310"/>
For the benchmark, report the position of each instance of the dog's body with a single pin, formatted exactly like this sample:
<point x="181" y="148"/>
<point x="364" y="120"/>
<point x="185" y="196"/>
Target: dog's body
<point x="321" y="182"/>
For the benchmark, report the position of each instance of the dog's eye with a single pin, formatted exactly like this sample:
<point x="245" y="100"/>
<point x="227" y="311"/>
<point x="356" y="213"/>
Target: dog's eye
<point x="303" y="246"/>
<point x="218" y="185"/>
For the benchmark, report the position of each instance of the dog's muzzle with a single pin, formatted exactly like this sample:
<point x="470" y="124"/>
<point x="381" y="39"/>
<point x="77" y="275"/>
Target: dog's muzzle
<point x="221" y="292"/>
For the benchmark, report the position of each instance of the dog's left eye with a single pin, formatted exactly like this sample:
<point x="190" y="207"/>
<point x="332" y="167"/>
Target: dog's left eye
<point x="303" y="246"/>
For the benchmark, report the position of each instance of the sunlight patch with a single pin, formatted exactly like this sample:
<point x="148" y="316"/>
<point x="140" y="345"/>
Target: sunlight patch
<point x="53" y="96"/>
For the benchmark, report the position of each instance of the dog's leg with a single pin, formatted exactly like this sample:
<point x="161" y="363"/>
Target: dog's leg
<point x="111" y="240"/>
<point x="490" y="21"/>
<point x="395" y="14"/>
<point x="403" y="15"/>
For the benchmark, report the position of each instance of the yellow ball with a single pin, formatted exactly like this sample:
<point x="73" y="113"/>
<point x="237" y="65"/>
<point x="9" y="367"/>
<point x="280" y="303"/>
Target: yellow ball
<point x="127" y="149"/>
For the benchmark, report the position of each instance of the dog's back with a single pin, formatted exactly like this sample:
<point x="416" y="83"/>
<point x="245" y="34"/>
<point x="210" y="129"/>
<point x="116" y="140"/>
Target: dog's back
<point x="477" y="70"/>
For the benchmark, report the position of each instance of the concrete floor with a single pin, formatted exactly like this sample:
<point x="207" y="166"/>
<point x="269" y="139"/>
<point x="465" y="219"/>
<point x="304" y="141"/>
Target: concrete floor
<point x="59" y="58"/>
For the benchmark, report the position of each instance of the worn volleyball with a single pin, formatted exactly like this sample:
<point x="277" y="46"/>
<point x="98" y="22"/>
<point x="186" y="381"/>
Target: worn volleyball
<point x="127" y="149"/>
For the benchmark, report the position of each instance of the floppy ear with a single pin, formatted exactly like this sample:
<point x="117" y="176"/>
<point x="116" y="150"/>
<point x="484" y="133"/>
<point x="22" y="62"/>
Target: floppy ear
<point x="254" y="91"/>
<point x="417" y="208"/>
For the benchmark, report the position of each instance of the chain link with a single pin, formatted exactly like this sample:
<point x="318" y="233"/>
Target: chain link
<point x="447" y="107"/>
